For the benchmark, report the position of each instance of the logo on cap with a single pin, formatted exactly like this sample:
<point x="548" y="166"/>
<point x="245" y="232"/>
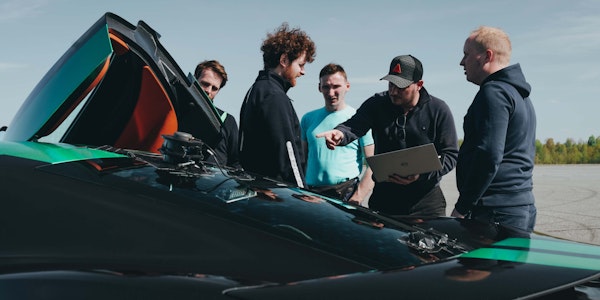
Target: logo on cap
<point x="397" y="69"/>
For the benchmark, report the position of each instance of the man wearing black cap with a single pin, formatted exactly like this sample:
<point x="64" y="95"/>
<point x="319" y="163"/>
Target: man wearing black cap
<point x="404" y="116"/>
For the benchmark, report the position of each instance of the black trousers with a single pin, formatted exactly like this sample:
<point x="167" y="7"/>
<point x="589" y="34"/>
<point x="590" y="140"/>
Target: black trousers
<point x="387" y="200"/>
<point x="342" y="191"/>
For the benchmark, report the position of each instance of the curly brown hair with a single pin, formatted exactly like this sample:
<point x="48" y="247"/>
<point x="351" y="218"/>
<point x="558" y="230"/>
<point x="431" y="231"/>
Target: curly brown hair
<point x="291" y="42"/>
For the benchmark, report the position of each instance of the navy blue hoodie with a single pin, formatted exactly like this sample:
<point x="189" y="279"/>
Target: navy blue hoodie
<point x="495" y="160"/>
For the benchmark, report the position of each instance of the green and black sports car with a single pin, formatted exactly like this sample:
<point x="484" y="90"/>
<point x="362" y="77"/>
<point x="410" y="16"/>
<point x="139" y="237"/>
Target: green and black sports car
<point x="107" y="192"/>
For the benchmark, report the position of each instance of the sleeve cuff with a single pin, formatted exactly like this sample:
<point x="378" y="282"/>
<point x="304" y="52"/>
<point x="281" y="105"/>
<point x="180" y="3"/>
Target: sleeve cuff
<point x="463" y="208"/>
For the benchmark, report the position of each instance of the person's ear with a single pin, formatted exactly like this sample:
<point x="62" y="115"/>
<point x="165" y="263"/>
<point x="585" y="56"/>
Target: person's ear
<point x="283" y="60"/>
<point x="489" y="56"/>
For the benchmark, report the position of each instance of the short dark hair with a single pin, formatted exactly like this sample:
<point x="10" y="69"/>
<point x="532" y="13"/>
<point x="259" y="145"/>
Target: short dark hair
<point x="330" y="69"/>
<point x="214" y="66"/>
<point x="292" y="42"/>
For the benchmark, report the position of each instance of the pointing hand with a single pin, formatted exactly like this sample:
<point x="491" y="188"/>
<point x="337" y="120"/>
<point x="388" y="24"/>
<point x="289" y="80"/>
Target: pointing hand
<point x="332" y="138"/>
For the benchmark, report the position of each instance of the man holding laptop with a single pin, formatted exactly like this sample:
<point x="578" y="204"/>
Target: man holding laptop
<point x="402" y="117"/>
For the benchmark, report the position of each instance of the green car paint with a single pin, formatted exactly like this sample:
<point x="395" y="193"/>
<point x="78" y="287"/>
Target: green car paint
<point x="542" y="252"/>
<point x="53" y="153"/>
<point x="551" y="245"/>
<point x="82" y="62"/>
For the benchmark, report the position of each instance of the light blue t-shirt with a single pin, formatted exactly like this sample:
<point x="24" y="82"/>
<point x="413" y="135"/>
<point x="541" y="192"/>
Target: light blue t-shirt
<point x="325" y="166"/>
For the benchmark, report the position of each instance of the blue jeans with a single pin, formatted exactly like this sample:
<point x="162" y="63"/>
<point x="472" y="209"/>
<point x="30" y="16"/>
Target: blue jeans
<point x="521" y="217"/>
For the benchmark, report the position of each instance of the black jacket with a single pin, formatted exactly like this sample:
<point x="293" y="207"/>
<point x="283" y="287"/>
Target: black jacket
<point x="227" y="149"/>
<point x="430" y="121"/>
<point x="495" y="162"/>
<point x="268" y="122"/>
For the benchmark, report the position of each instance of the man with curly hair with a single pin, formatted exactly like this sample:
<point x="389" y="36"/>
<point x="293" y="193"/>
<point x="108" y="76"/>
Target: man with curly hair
<point x="270" y="141"/>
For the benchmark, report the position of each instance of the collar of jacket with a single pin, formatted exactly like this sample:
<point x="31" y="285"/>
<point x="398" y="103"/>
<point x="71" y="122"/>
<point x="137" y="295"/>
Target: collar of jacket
<point x="268" y="74"/>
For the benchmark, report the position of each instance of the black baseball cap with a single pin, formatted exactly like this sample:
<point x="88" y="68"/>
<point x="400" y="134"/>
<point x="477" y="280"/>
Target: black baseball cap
<point x="404" y="70"/>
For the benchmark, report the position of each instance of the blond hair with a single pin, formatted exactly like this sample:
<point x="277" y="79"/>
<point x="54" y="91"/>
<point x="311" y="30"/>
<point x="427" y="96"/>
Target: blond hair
<point x="495" y="39"/>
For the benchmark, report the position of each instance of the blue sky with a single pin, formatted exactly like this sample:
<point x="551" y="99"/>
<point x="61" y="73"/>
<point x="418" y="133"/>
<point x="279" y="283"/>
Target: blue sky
<point x="557" y="44"/>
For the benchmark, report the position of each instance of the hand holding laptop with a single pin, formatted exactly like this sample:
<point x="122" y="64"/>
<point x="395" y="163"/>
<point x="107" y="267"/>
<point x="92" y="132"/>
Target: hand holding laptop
<point x="403" y="180"/>
<point x="405" y="162"/>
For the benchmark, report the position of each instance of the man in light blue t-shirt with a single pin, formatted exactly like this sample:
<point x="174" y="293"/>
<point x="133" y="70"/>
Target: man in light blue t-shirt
<point x="336" y="173"/>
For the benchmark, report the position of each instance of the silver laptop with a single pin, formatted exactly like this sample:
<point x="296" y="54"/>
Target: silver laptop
<point x="415" y="160"/>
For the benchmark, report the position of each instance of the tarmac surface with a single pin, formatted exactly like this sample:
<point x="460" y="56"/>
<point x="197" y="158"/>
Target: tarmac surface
<point x="567" y="200"/>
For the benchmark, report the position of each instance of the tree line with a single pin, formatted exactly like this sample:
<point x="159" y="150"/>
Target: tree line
<point x="569" y="152"/>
